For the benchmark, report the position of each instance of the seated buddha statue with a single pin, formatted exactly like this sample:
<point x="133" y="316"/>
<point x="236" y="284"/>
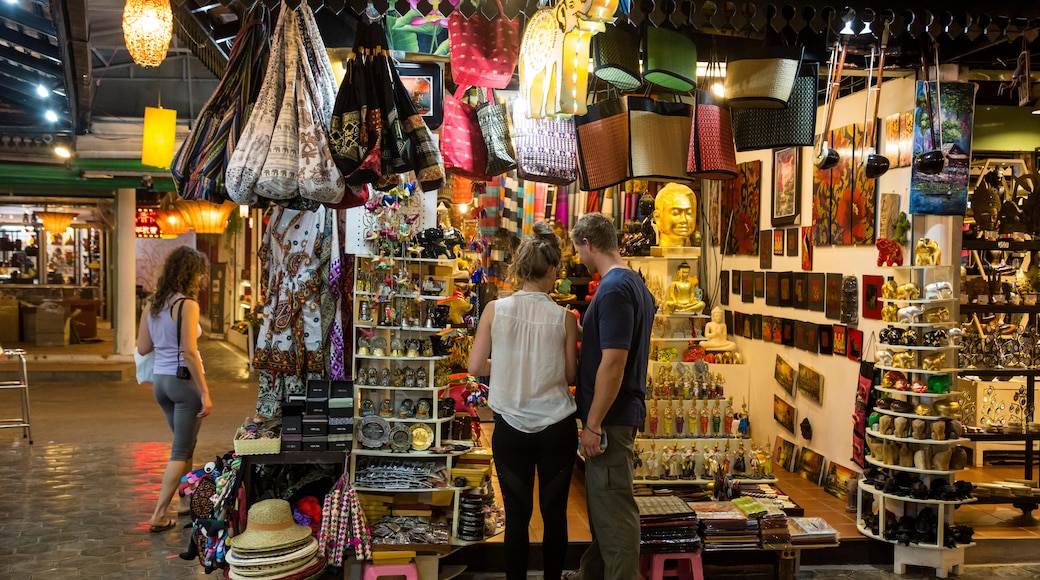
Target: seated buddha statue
<point x="683" y="293"/>
<point x="562" y="288"/>
<point x="716" y="332"/>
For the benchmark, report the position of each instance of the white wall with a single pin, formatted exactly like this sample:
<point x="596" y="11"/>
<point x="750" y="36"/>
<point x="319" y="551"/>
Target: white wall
<point x="831" y="421"/>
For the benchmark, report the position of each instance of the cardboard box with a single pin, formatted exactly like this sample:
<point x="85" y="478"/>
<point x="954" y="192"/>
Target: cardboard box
<point x="46" y="319"/>
<point x="292" y="425"/>
<point x="317" y="389"/>
<point x="316" y="407"/>
<point x="342" y="389"/>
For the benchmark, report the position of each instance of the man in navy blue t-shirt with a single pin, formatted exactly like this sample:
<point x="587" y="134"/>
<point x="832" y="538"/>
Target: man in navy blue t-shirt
<point x="610" y="395"/>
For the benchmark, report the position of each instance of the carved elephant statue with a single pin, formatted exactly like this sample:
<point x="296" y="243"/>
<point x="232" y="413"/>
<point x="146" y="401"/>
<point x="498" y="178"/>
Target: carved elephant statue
<point x="889" y="288"/>
<point x="934" y="362"/>
<point x="890" y="253"/>
<point x="908" y="291"/>
<point x="891" y="453"/>
<point x="909" y="314"/>
<point x="938" y="290"/>
<point x="938" y="430"/>
<point x="941" y="460"/>
<point x="904" y="360"/>
<point x="890" y="313"/>
<point x="923" y="458"/>
<point x="959" y="458"/>
<point x="902" y="427"/>
<point x="885" y="425"/>
<point x="927" y="252"/>
<point x="906" y="455"/>
<point x="883" y="358"/>
<point x="919" y="428"/>
<point x="937" y="314"/>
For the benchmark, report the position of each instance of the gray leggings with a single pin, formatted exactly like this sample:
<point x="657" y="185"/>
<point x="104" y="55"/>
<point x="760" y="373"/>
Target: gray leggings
<point x="181" y="403"/>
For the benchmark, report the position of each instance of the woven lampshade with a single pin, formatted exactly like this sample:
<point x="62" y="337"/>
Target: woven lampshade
<point x="206" y="217"/>
<point x="147" y="29"/>
<point x="55" y="222"/>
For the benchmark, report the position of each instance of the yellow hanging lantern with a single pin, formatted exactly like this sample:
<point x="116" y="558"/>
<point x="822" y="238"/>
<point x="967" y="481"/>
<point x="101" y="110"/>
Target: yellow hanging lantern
<point x="55" y="222"/>
<point x="160" y="130"/>
<point x="147" y="30"/>
<point x="170" y="218"/>
<point x="206" y="217"/>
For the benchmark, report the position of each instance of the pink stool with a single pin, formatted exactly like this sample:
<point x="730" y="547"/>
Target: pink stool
<point x="374" y="571"/>
<point x="688" y="566"/>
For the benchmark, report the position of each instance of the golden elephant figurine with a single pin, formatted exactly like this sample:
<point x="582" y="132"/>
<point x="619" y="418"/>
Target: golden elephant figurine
<point x="939" y="314"/>
<point x="890" y="313"/>
<point x="934" y="362"/>
<point x="908" y="291"/>
<point x="927" y="252"/>
<point x="889" y="289"/>
<point x="904" y="360"/>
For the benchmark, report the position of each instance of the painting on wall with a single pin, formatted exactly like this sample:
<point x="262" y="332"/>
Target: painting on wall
<point x="783" y="453"/>
<point x="772" y="288"/>
<point x="741" y="209"/>
<point x="906" y="138"/>
<point x="817" y="292"/>
<point x="783" y="413"/>
<point x="864" y="195"/>
<point x="783" y="372"/>
<point x="833" y="297"/>
<point x="765" y="249"/>
<point x="792" y="242"/>
<point x="778" y="242"/>
<point x="872" y="296"/>
<point x="808" y="241"/>
<point x="945" y="193"/>
<point x="760" y="284"/>
<point x="747" y="286"/>
<point x="839" y="341"/>
<point x="836" y="479"/>
<point x="843" y="140"/>
<point x="810" y="383"/>
<point x="891" y="134"/>
<point x="821" y="206"/>
<point x="724" y="287"/>
<point x="809" y="465"/>
<point x="786" y="187"/>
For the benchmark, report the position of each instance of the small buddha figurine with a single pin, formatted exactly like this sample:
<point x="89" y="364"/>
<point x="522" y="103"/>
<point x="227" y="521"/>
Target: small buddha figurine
<point x="683" y="293"/>
<point x="562" y="288"/>
<point x="674" y="214"/>
<point x="716" y="332"/>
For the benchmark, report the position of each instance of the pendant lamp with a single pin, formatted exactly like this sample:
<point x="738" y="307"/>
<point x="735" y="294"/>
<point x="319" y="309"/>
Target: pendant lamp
<point x="207" y="217"/>
<point x="55" y="222"/>
<point x="160" y="130"/>
<point x="147" y="30"/>
<point x="170" y="218"/>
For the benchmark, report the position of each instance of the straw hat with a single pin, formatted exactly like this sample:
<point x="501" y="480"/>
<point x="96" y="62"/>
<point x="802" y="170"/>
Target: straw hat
<point x="311" y="572"/>
<point x="270" y="525"/>
<point x="244" y="562"/>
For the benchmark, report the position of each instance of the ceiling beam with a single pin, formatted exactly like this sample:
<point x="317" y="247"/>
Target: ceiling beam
<point x="27" y="60"/>
<point x="26" y="19"/>
<point x="70" y="20"/>
<point x="34" y="44"/>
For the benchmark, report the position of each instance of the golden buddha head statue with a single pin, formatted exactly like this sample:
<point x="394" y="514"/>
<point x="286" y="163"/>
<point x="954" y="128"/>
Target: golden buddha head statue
<point x="675" y="214"/>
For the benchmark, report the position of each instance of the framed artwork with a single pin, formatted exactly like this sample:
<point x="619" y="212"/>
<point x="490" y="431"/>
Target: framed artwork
<point x="778" y="332"/>
<point x="810" y="383"/>
<point x="854" y="341"/>
<point x="833" y="296"/>
<point x="783" y="453"/>
<point x="767" y="328"/>
<point x="906" y="139"/>
<point x="730" y="317"/>
<point x="947" y="192"/>
<point x="738" y="324"/>
<point x="783" y="413"/>
<point x="756" y="326"/>
<point x="807" y="246"/>
<point x="424" y="83"/>
<point x="765" y="249"/>
<point x="724" y="288"/>
<point x="826" y="334"/>
<point x="778" y="242"/>
<point x="812" y="337"/>
<point x="741" y="206"/>
<point x="891" y="145"/>
<point x="792" y="241"/>
<point x="747" y="286"/>
<point x="817" y="291"/>
<point x="840" y="347"/>
<point x="772" y="288"/>
<point x="783" y="372"/>
<point x="747" y="328"/>
<point x="760" y="284"/>
<point x="787" y="332"/>
<point x="786" y="187"/>
<point x="801" y="290"/>
<point x="809" y="465"/>
<point x="786" y="290"/>
<point x="735" y="281"/>
<point x="799" y="335"/>
<point x="836" y="478"/>
<point x="871" y="296"/>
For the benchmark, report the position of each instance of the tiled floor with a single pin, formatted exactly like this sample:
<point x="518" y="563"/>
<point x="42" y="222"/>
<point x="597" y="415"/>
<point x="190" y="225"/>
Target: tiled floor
<point x="75" y="503"/>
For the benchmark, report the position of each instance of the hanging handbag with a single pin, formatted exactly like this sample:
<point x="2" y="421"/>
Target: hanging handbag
<point x="616" y="57"/>
<point x="484" y="50"/>
<point x="355" y="133"/>
<point x="763" y="77"/>
<point x="319" y="178"/>
<point x="602" y="145"/>
<point x="546" y="149"/>
<point x="712" y="152"/>
<point x="323" y="92"/>
<point x="671" y="60"/>
<point x="659" y="138"/>
<point x="278" y="178"/>
<point x="462" y="143"/>
<point x="791" y="126"/>
<point x="250" y="152"/>
<point x="421" y="150"/>
<point x="493" y="118"/>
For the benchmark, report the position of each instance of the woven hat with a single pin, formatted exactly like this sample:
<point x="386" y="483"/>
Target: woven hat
<point x="244" y="562"/>
<point x="311" y="572"/>
<point x="270" y="525"/>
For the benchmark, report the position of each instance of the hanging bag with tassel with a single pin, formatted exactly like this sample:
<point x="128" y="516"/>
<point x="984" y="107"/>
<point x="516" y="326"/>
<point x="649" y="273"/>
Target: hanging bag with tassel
<point x="712" y="152"/>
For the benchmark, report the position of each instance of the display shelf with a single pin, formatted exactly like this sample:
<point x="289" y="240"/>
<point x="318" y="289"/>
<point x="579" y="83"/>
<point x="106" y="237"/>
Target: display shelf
<point x="875" y="491"/>
<point x="911" y="267"/>
<point x="410" y="453"/>
<point x="913" y="394"/>
<point x="888" y="346"/>
<point x="916" y="300"/>
<point x="943" y="324"/>
<point x="402" y="328"/>
<point x="382" y="388"/>
<point x="1005" y="372"/>
<point x="916" y="371"/>
<point x="877" y="463"/>
<point x="912" y="440"/>
<point x="874" y="536"/>
<point x="1007" y="308"/>
<point x="701" y="481"/>
<point x="399" y="358"/>
<point x="407" y="490"/>
<point x="684" y="315"/>
<point x="910" y="415"/>
<point x="683" y="340"/>
<point x="395" y="419"/>
<point x="1000" y="244"/>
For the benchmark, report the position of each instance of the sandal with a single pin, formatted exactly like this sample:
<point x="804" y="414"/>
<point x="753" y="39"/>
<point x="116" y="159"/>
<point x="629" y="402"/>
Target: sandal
<point x="165" y="525"/>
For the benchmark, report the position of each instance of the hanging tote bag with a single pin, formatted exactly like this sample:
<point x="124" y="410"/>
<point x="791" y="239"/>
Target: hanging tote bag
<point x="659" y="138"/>
<point x="319" y="178"/>
<point x="421" y="150"/>
<point x="278" y="179"/>
<point x="602" y="145"/>
<point x="355" y="135"/>
<point x="484" y="50"/>
<point x="712" y="152"/>
<point x="616" y="56"/>
<point x="250" y="152"/>
<point x="462" y="143"/>
<point x="540" y="66"/>
<point x="671" y="60"/>
<point x="546" y="149"/>
<point x="323" y="93"/>
<point x="493" y="118"/>
<point x="763" y="77"/>
<point x="791" y="126"/>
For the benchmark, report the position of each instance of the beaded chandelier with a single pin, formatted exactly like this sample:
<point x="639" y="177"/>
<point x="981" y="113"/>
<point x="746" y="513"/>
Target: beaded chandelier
<point x="147" y="29"/>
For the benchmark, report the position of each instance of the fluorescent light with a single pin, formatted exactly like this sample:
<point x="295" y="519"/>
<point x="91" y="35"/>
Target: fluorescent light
<point x="42" y="91"/>
<point x="51" y="116"/>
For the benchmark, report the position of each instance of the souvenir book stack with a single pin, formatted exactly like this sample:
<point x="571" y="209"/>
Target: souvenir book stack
<point x="769" y="491"/>
<point x="667" y="524"/>
<point x="806" y="530"/>
<point x="725" y="527"/>
<point x="773" y="525"/>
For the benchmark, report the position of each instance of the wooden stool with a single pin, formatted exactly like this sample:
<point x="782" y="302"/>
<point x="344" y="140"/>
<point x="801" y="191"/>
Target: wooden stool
<point x="374" y="571"/>
<point x="688" y="566"/>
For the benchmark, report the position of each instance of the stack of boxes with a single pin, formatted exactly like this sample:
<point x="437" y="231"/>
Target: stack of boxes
<point x="320" y="420"/>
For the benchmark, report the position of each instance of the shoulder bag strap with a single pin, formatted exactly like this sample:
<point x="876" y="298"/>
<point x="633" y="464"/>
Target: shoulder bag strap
<point x="180" y="354"/>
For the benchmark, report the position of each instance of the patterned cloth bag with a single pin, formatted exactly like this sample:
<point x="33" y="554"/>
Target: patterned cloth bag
<point x="763" y="77"/>
<point x="462" y="143"/>
<point x="659" y="138"/>
<point x="421" y="150"/>
<point x="319" y="178"/>
<point x="616" y="53"/>
<point x="791" y="126"/>
<point x="251" y="150"/>
<point x="602" y="145"/>
<point x="494" y="126"/>
<point x="546" y="149"/>
<point x="484" y="50"/>
<point x="712" y="153"/>
<point x="355" y="133"/>
<point x="278" y="178"/>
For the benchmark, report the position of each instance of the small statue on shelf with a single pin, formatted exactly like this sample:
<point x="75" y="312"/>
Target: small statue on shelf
<point x="691" y="415"/>
<point x="680" y="419"/>
<point x="716" y="420"/>
<point x="704" y="420"/>
<point x="562" y="288"/>
<point x="653" y="418"/>
<point x="744" y="424"/>
<point x="669" y="420"/>
<point x="684" y="295"/>
<point x="729" y="417"/>
<point x="739" y="460"/>
<point x="593" y="285"/>
<point x="638" y="244"/>
<point x="638" y="471"/>
<point x="674" y="213"/>
<point x="652" y="463"/>
<point x="716" y="332"/>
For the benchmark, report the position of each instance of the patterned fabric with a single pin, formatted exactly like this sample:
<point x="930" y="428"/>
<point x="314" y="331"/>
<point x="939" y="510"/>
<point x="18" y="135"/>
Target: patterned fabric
<point x="324" y="94"/>
<point x="462" y="143"/>
<point x="493" y="118"/>
<point x="251" y="151"/>
<point x="545" y="148"/>
<point x="792" y="126"/>
<point x="484" y="50"/>
<point x="278" y="178"/>
<point x="712" y="153"/>
<point x="602" y="140"/>
<point x="319" y="178"/>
